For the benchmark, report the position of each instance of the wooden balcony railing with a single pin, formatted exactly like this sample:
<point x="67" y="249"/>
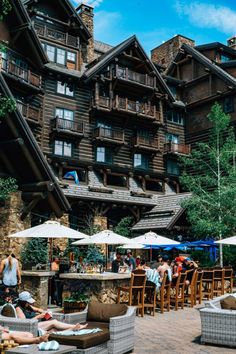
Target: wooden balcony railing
<point x="109" y="133"/>
<point x="29" y="112"/>
<point x="56" y="35"/>
<point x="148" y="142"/>
<point x="145" y="109"/>
<point x="103" y="102"/>
<point x="67" y="125"/>
<point x="130" y="75"/>
<point x="26" y="75"/>
<point x="174" y="148"/>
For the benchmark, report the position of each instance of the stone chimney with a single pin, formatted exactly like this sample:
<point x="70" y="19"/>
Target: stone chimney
<point x="165" y="53"/>
<point x="231" y="42"/>
<point x="86" y="14"/>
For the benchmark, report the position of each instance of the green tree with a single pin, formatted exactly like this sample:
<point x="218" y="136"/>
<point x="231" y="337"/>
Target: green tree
<point x="123" y="228"/>
<point x="34" y="252"/>
<point x="210" y="174"/>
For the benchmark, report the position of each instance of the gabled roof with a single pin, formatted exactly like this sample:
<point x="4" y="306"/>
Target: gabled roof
<point x="101" y="47"/>
<point x="218" y="45"/>
<point x="28" y="31"/>
<point x="164" y="215"/>
<point x="226" y="77"/>
<point x="106" y="58"/>
<point x="72" y="13"/>
<point x="21" y="157"/>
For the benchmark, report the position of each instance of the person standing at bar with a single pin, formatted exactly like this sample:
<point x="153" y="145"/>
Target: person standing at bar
<point x="10" y="272"/>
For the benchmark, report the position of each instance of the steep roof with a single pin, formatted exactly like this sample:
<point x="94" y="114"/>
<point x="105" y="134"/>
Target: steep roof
<point x="217" y="45"/>
<point x="28" y="31"/>
<point x="106" y="58"/>
<point x="217" y="70"/>
<point x="21" y="157"/>
<point x="102" y="47"/>
<point x="164" y="215"/>
<point x="72" y="12"/>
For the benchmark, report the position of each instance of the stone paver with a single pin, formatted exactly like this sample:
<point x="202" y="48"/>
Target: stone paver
<point x="176" y="332"/>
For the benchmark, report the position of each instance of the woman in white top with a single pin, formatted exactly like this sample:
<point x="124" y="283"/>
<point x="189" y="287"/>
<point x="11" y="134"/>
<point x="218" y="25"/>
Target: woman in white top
<point x="9" y="269"/>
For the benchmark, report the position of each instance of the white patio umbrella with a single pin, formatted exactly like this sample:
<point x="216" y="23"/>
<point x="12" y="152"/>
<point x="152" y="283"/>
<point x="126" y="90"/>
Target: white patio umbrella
<point x="150" y="239"/>
<point x="50" y="230"/>
<point x="106" y="237"/>
<point x="228" y="241"/>
<point x="133" y="246"/>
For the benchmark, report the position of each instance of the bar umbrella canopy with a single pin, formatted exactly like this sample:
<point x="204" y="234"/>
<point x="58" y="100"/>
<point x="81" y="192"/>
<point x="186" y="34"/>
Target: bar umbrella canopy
<point x="50" y="230"/>
<point x="228" y="241"/>
<point x="151" y="239"/>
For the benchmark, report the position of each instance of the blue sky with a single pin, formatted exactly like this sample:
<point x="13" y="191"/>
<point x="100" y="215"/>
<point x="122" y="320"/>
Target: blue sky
<point x="155" y="21"/>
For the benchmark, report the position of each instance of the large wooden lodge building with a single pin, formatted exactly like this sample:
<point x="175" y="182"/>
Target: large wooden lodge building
<point x="110" y="117"/>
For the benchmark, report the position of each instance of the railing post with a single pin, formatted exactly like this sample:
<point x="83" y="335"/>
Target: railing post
<point x="126" y="103"/>
<point x="126" y="73"/>
<point x="66" y="38"/>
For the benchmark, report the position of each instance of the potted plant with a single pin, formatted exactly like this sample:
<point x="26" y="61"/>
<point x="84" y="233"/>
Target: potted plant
<point x="76" y="302"/>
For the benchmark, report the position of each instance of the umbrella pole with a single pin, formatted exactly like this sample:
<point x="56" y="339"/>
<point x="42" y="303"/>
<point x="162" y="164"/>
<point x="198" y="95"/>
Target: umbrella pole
<point x="150" y="253"/>
<point x="106" y="255"/>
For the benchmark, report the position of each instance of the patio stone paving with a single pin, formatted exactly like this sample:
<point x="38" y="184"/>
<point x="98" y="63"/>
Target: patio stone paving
<point x="175" y="332"/>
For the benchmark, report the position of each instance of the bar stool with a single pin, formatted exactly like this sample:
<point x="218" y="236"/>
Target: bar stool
<point x="208" y="283"/>
<point x="228" y="278"/>
<point x="163" y="298"/>
<point x="218" y="284"/>
<point x="150" y="297"/>
<point x="191" y="288"/>
<point x="135" y="290"/>
<point x="179" y="289"/>
<point x="198" y="287"/>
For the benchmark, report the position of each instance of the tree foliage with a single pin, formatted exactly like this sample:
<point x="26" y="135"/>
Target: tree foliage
<point x="34" y="252"/>
<point x="5" y="8"/>
<point x="7" y="186"/>
<point x="123" y="228"/>
<point x="210" y="174"/>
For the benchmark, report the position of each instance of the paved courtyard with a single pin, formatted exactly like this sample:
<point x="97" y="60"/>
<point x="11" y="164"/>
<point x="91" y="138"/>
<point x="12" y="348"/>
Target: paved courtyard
<point x="172" y="333"/>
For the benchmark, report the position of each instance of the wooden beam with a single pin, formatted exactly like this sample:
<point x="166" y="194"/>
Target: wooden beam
<point x="18" y="141"/>
<point x="32" y="195"/>
<point x="40" y="186"/>
<point x="27" y="209"/>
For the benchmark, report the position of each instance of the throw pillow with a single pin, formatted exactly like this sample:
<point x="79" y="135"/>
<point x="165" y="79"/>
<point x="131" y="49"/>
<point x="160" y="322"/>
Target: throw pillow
<point x="103" y="312"/>
<point x="229" y="303"/>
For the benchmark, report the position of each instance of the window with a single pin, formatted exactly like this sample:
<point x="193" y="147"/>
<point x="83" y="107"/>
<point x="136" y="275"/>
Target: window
<point x="61" y="56"/>
<point x="173" y="90"/>
<point x="105" y="129"/>
<point x="50" y="50"/>
<point x="153" y="185"/>
<point x="65" y="113"/>
<point x="117" y="180"/>
<point x="175" y="117"/>
<point x="71" y="56"/>
<point x="62" y="148"/>
<point x="172" y="167"/>
<point x="64" y="89"/>
<point x="228" y="105"/>
<point x="224" y="58"/>
<point x="103" y="154"/>
<point x="141" y="161"/>
<point x="172" y="138"/>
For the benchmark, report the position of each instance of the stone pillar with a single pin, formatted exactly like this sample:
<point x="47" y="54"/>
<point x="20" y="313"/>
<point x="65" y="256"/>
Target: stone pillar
<point x="10" y="223"/>
<point x="62" y="242"/>
<point x="86" y="14"/>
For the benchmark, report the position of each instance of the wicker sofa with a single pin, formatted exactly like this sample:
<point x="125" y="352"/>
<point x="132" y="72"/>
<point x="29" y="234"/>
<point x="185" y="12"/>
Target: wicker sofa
<point x="218" y="325"/>
<point x="121" y="329"/>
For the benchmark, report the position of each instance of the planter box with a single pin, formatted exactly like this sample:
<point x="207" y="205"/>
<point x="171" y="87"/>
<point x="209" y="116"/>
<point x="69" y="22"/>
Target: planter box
<point x="71" y="307"/>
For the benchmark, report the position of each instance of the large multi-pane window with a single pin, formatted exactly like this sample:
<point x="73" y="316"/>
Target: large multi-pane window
<point x="172" y="138"/>
<point x="64" y="89"/>
<point x="62" y="148"/>
<point x="141" y="161"/>
<point x="66" y="118"/>
<point x="175" y="117"/>
<point x="103" y="154"/>
<point x="59" y="55"/>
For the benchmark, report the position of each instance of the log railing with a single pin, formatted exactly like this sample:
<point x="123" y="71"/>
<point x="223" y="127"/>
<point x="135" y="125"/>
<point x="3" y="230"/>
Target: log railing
<point x="147" y="141"/>
<point x="67" y="125"/>
<point x="145" y="109"/>
<point x="29" y="112"/>
<point x="177" y="148"/>
<point x="130" y="75"/>
<point x="24" y="74"/>
<point x="109" y="133"/>
<point x="56" y="35"/>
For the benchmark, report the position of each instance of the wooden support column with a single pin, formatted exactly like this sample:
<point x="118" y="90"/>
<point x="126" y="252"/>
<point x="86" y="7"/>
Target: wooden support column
<point x="97" y="93"/>
<point x="210" y="84"/>
<point x="161" y="111"/>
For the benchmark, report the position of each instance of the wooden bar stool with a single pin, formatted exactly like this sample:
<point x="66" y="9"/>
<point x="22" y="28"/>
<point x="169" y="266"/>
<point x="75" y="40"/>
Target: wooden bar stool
<point x="198" y="287"/>
<point x="218" y="284"/>
<point x="135" y="290"/>
<point x="208" y="283"/>
<point x="228" y="279"/>
<point x="150" y="297"/>
<point x="191" y="287"/>
<point x="163" y="298"/>
<point x="179" y="290"/>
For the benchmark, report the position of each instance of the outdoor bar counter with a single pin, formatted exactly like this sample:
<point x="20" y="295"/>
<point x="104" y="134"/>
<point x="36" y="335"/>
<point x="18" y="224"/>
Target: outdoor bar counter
<point x="36" y="282"/>
<point x="99" y="286"/>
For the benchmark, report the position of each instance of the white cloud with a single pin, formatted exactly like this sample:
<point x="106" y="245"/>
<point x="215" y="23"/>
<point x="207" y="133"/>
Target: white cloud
<point x="93" y="3"/>
<point x="207" y="15"/>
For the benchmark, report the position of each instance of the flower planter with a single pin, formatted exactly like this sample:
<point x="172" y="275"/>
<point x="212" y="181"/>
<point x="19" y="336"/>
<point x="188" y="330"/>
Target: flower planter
<point x="73" y="306"/>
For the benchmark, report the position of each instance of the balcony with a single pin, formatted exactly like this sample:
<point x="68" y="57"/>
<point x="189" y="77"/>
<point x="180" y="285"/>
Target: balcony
<point x="17" y="71"/>
<point x="133" y="76"/>
<point x="67" y="127"/>
<point x="146" y="143"/>
<point x="55" y="35"/>
<point x="173" y="148"/>
<point x="142" y="109"/>
<point x="114" y="136"/>
<point x="31" y="113"/>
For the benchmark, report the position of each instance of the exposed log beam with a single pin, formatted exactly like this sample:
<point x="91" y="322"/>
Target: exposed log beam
<point x="32" y="195"/>
<point x="40" y="186"/>
<point x="17" y="141"/>
<point x="20" y="27"/>
<point x="27" y="209"/>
